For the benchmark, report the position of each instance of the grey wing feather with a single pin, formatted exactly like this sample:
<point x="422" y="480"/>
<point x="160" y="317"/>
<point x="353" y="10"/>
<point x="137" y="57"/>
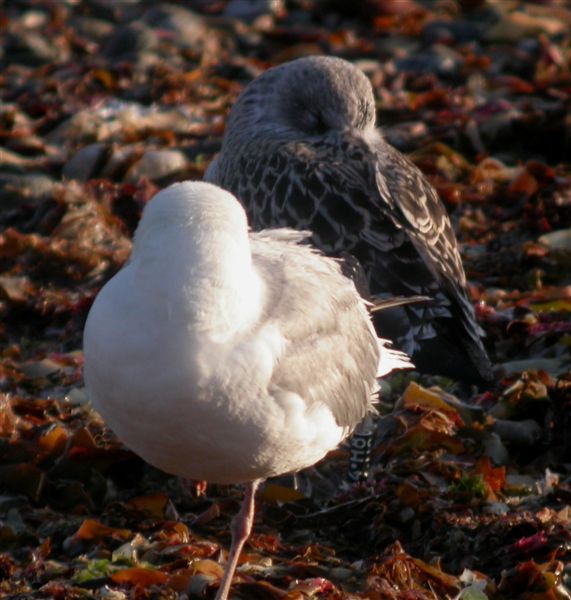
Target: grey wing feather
<point x="283" y="234"/>
<point x="325" y="323"/>
<point x="394" y="301"/>
<point x="419" y="210"/>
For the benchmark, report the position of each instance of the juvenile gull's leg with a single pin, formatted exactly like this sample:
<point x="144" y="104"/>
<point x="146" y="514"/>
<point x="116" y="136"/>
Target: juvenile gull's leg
<point x="361" y="442"/>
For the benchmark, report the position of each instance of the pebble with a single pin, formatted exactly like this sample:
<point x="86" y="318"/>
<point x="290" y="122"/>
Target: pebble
<point x="553" y="366"/>
<point x="130" y="40"/>
<point x="515" y="25"/>
<point x="523" y="433"/>
<point x="92" y="28"/>
<point x="557" y="240"/>
<point x="495" y="449"/>
<point x="451" y="32"/>
<point x="15" y="289"/>
<point x="186" y="28"/>
<point x="9" y="501"/>
<point x="119" y="160"/>
<point x="40" y="369"/>
<point x="499" y="126"/>
<point x="32" y="19"/>
<point x="33" y="49"/>
<point x="521" y="485"/>
<point x="398" y="47"/>
<point x="496" y="508"/>
<point x="77" y="396"/>
<point x="439" y="59"/>
<point x="86" y="162"/>
<point x="108" y="593"/>
<point x="157" y="165"/>
<point x="31" y="188"/>
<point x="341" y="574"/>
<point x="250" y="10"/>
<point x="405" y="136"/>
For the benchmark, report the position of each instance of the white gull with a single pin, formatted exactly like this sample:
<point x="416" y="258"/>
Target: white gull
<point x="301" y="150"/>
<point x="229" y="356"/>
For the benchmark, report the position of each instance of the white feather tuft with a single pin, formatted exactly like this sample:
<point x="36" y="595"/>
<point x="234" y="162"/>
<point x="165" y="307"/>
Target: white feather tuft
<point x="391" y="359"/>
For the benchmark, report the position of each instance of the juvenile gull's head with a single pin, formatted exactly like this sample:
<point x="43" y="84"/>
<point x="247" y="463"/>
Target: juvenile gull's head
<point x="310" y="96"/>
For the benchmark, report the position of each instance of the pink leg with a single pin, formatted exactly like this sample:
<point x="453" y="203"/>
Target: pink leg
<point x="241" y="529"/>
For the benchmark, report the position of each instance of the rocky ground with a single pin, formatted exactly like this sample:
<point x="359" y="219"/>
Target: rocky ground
<point x="102" y="104"/>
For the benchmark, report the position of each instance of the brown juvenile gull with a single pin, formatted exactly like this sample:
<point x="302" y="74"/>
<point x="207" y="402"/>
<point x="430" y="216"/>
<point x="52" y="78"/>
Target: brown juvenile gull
<point x="228" y="356"/>
<point x="301" y="150"/>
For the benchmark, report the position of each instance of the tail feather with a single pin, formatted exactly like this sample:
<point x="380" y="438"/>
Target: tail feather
<point x="378" y="304"/>
<point x="391" y="359"/>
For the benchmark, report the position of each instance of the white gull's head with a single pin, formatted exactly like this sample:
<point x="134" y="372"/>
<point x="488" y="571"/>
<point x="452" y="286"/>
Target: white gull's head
<point x="200" y="219"/>
<point x="197" y="233"/>
<point x="195" y="205"/>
